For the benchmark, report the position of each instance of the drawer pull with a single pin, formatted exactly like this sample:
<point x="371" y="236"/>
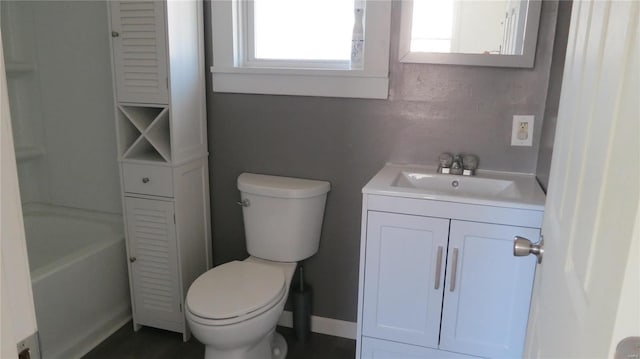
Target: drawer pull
<point x="438" y="268"/>
<point x="145" y="180"/>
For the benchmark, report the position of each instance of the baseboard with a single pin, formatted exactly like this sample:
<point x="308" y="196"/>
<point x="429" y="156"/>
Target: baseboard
<point x="95" y="336"/>
<point x="322" y="325"/>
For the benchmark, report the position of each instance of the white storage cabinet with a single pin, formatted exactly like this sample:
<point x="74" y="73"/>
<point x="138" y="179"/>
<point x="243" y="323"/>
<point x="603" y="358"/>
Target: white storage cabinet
<point x="158" y="67"/>
<point x="439" y="279"/>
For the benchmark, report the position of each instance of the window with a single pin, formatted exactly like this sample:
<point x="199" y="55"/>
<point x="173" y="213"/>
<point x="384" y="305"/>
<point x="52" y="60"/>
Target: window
<point x="337" y="48"/>
<point x="295" y="29"/>
<point x="431" y="26"/>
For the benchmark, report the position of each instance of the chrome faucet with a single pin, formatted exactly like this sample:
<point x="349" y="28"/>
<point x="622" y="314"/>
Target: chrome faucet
<point x="456" y="166"/>
<point x="465" y="165"/>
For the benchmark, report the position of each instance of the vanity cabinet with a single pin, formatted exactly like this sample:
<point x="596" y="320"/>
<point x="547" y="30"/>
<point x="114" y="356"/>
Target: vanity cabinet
<point x="438" y="279"/>
<point x="158" y="81"/>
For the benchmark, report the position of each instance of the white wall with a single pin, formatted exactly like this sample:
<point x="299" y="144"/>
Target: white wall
<point x="18" y="33"/>
<point x="63" y="107"/>
<point x="74" y="66"/>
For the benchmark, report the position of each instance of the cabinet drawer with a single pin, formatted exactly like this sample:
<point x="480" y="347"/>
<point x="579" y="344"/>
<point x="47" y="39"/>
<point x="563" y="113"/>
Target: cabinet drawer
<point x="148" y="179"/>
<point x="382" y="349"/>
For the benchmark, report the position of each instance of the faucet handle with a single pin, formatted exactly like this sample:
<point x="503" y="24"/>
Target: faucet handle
<point x="445" y="159"/>
<point x="469" y="164"/>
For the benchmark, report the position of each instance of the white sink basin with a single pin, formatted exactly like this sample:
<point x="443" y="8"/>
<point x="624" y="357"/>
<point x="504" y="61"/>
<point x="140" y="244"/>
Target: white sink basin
<point x="515" y="190"/>
<point x="457" y="185"/>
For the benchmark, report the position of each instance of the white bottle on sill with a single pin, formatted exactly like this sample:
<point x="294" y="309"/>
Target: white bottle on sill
<point x="357" y="40"/>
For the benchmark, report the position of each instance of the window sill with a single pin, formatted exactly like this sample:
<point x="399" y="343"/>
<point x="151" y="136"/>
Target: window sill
<point x="324" y="83"/>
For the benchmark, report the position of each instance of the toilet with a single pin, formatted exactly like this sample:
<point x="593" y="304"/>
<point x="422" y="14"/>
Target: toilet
<point x="233" y="308"/>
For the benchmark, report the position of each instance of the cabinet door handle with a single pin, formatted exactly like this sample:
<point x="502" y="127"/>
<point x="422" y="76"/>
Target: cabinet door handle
<point x="145" y="179"/>
<point x="438" y="268"/>
<point x="454" y="270"/>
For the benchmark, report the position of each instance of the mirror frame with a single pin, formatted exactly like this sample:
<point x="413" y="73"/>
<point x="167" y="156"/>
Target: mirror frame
<point x="526" y="60"/>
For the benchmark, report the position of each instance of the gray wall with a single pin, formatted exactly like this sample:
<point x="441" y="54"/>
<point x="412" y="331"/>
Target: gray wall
<point x="431" y="109"/>
<point x="553" y="94"/>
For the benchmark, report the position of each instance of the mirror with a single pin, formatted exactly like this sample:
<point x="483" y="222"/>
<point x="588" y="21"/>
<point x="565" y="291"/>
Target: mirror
<point x="470" y="32"/>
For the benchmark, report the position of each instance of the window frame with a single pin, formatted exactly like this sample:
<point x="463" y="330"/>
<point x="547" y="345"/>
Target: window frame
<point x="233" y="71"/>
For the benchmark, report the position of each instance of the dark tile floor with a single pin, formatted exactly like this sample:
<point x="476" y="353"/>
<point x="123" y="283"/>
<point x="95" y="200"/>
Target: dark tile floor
<point x="150" y="343"/>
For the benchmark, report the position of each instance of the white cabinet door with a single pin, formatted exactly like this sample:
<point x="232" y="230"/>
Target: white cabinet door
<point x="404" y="277"/>
<point x="153" y="262"/>
<point x="488" y="290"/>
<point x="383" y="349"/>
<point x="140" y="51"/>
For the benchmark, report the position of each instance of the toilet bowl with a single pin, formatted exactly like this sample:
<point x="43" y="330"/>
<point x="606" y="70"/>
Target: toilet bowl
<point x="240" y="322"/>
<point x="233" y="308"/>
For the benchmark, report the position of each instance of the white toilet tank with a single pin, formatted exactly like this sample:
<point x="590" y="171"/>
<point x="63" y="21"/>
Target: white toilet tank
<point x="282" y="216"/>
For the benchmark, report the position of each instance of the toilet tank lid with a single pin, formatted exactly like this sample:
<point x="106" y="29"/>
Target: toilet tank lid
<point x="283" y="187"/>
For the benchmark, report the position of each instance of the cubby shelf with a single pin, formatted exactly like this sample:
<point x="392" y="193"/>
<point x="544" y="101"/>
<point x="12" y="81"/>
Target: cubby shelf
<point x="144" y="133"/>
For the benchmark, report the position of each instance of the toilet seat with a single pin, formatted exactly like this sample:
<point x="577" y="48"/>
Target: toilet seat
<point x="234" y="292"/>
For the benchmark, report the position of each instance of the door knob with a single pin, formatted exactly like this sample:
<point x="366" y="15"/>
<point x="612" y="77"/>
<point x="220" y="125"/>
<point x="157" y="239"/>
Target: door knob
<point x="523" y="247"/>
<point x="132" y="259"/>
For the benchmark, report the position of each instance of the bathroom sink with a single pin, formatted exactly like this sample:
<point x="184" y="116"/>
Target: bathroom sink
<point x="493" y="188"/>
<point x="456" y="185"/>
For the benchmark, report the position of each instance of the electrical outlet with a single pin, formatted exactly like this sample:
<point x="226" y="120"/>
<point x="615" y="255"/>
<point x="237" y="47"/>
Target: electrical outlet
<point x="522" y="131"/>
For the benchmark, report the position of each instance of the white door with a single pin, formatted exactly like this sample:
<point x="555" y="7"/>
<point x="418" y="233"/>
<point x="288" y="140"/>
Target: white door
<point x="153" y="263"/>
<point x="513" y="27"/>
<point x="17" y="312"/>
<point x="488" y="290"/>
<point x="594" y="186"/>
<point x="405" y="259"/>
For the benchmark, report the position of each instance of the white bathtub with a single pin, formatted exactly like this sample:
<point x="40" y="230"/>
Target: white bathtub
<point x="79" y="276"/>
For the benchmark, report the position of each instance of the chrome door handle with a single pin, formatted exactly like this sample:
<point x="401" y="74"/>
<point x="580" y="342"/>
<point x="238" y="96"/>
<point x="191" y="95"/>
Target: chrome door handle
<point x="438" y="268"/>
<point x="454" y="270"/>
<point x="244" y="203"/>
<point x="523" y="247"/>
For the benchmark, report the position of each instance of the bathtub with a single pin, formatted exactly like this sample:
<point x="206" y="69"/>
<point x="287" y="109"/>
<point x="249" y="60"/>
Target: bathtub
<point x="79" y="275"/>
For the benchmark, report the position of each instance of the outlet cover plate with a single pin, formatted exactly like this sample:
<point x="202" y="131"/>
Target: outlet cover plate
<point x="527" y="121"/>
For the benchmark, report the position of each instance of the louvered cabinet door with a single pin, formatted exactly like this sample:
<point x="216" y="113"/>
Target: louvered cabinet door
<point x="140" y="51"/>
<point x="153" y="263"/>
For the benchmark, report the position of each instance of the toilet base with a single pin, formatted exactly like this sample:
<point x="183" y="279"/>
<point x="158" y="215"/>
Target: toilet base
<point x="278" y="346"/>
<point x="272" y="346"/>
